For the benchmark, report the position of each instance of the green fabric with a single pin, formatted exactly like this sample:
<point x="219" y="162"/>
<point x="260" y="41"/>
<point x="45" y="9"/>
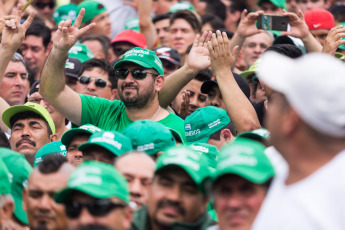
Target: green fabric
<point x="250" y="71"/>
<point x="28" y="106"/>
<point x="65" y="12"/>
<point x="19" y="171"/>
<point x="111" y="115"/>
<point x="143" y="57"/>
<point x="149" y="136"/>
<point x="82" y="130"/>
<point x="210" y="152"/>
<point x="342" y="46"/>
<point x="278" y="3"/>
<point x="246" y="158"/>
<point x="132" y="24"/>
<point x="141" y="222"/>
<point x="189" y="160"/>
<point x="5" y="184"/>
<point x="80" y="52"/>
<point x="97" y="179"/>
<point x="52" y="147"/>
<point x="204" y="122"/>
<point x="181" y="6"/>
<point x="257" y="134"/>
<point x="115" y="142"/>
<point x="92" y="9"/>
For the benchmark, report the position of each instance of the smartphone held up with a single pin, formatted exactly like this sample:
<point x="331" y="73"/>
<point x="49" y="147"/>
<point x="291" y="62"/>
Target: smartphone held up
<point x="272" y="22"/>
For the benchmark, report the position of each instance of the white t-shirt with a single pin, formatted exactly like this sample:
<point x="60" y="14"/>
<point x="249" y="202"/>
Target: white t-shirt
<point x="316" y="202"/>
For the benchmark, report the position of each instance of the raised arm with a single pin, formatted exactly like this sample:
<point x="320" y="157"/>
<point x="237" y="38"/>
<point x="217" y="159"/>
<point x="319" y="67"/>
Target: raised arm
<point x="52" y="85"/>
<point x="198" y="60"/>
<point x="13" y="33"/>
<point x="239" y="108"/>
<point x="145" y="22"/>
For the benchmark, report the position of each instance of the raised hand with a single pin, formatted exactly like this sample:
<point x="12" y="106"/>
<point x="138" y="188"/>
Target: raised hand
<point x="13" y="32"/>
<point x="198" y="58"/>
<point x="298" y="27"/>
<point x="333" y="40"/>
<point x="219" y="49"/>
<point x="67" y="34"/>
<point x="183" y="111"/>
<point x="247" y="25"/>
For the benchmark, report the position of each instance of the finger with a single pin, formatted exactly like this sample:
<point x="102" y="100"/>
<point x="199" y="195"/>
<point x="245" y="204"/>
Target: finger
<point x="8" y="23"/>
<point x="210" y="49"/>
<point x="85" y="29"/>
<point x="208" y="38"/>
<point x="235" y="51"/>
<point x="243" y="15"/>
<point x="196" y="40"/>
<point x="203" y="38"/>
<point x="79" y="19"/>
<point x="8" y="17"/>
<point x="13" y="24"/>
<point x="29" y="20"/>
<point x="215" y="45"/>
<point x="220" y="40"/>
<point x="226" y="42"/>
<point x="18" y="12"/>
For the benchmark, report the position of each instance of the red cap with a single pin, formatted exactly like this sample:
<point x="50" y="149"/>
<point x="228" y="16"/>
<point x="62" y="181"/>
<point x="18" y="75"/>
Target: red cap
<point x="319" y="19"/>
<point x="131" y="36"/>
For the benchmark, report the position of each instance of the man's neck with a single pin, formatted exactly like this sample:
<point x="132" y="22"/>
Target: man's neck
<point x="151" y="112"/>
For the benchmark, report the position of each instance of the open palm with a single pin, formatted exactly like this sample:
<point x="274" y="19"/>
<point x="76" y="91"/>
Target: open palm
<point x="198" y="58"/>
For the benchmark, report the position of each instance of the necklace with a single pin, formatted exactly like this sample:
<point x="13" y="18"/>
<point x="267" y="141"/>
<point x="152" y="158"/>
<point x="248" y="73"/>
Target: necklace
<point x="159" y="108"/>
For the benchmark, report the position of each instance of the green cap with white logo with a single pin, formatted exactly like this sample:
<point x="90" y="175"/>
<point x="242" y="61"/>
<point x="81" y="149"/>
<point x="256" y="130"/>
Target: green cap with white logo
<point x="97" y="179"/>
<point x="204" y="122"/>
<point x="19" y="171"/>
<point x="245" y="158"/>
<point x="257" y="135"/>
<point x="181" y="6"/>
<point x="80" y="52"/>
<point x="52" y="147"/>
<point x="5" y="184"/>
<point x="62" y="13"/>
<point x="115" y="142"/>
<point x="149" y="136"/>
<point x="193" y="163"/>
<point x="143" y="57"/>
<point x="82" y="130"/>
<point x="92" y="9"/>
<point x="210" y="153"/>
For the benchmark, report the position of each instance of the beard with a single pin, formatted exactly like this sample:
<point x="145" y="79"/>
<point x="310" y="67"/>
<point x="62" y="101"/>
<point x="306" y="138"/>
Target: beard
<point x="136" y="100"/>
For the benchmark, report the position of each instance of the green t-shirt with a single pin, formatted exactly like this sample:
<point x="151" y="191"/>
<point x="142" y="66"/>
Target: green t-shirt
<point x="112" y="115"/>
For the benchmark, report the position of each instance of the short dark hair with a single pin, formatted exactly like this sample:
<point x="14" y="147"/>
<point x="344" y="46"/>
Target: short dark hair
<point x="29" y="114"/>
<point x="215" y="21"/>
<point x="39" y="29"/>
<point x="4" y="142"/>
<point x="191" y="17"/>
<point x="338" y="11"/>
<point x="160" y="17"/>
<point x="103" y="65"/>
<point x="230" y="126"/>
<point x="288" y="50"/>
<point x="238" y="6"/>
<point x="51" y="163"/>
<point x="104" y="40"/>
<point x="204" y="75"/>
<point x="216" y="7"/>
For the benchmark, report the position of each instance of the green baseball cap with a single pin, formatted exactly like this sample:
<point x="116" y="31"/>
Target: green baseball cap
<point x="187" y="159"/>
<point x="181" y="6"/>
<point x="143" y="57"/>
<point x="84" y="129"/>
<point x="115" y="142"/>
<point x="97" y="179"/>
<point x="52" y="147"/>
<point x="92" y="9"/>
<point x="19" y="171"/>
<point x="245" y="158"/>
<point x="257" y="135"/>
<point x="278" y="3"/>
<point x="80" y="52"/>
<point x="210" y="153"/>
<point x="28" y="106"/>
<point x="5" y="184"/>
<point x="132" y="24"/>
<point x="250" y="71"/>
<point x="149" y="136"/>
<point x="204" y="122"/>
<point x="177" y="135"/>
<point x="65" y="12"/>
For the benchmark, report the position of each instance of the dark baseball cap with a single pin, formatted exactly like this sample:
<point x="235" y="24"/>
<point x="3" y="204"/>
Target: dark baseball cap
<point x="169" y="54"/>
<point x="208" y="85"/>
<point x="73" y="67"/>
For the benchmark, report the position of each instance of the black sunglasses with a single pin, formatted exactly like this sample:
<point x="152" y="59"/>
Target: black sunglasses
<point x="137" y="74"/>
<point x="94" y="207"/>
<point x="99" y="82"/>
<point x="41" y="5"/>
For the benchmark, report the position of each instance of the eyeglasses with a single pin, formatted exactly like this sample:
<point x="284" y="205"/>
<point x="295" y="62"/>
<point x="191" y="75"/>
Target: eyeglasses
<point x="99" y="82"/>
<point x="137" y="74"/>
<point x="41" y="5"/>
<point x="95" y="208"/>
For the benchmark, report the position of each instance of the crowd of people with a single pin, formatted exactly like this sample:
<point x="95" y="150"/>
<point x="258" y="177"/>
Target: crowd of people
<point x="169" y="114"/>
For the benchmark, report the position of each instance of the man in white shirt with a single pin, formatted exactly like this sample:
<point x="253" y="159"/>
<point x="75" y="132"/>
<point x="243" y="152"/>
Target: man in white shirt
<point x="307" y="124"/>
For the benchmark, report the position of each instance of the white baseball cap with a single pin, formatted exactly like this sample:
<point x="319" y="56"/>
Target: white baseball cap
<point x="313" y="84"/>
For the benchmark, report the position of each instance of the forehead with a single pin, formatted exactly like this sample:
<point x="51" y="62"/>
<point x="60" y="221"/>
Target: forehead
<point x="101" y="15"/>
<point x="140" y="165"/>
<point x="163" y="23"/>
<point x="28" y="120"/>
<point x="181" y="23"/>
<point x="32" y="40"/>
<point x="48" y="182"/>
<point x="194" y="85"/>
<point x="259" y="38"/>
<point x="175" y="174"/>
<point x="16" y="67"/>
<point x="80" y="138"/>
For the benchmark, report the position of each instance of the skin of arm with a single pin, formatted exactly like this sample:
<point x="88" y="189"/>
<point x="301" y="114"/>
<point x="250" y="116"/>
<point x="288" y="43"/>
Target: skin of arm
<point x="198" y="60"/>
<point x="53" y="87"/>
<point x="239" y="108"/>
<point x="13" y="34"/>
<point x="145" y="22"/>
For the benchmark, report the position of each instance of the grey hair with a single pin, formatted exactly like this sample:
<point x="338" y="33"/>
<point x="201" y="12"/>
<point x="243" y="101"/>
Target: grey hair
<point x="17" y="57"/>
<point x="4" y="198"/>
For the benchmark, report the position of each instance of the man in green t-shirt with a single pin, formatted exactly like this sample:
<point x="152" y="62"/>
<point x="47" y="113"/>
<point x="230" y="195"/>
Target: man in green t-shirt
<point x="140" y="75"/>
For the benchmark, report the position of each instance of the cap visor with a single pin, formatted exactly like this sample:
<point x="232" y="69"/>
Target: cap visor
<point x="246" y="74"/>
<point x="18" y="210"/>
<point x="85" y="146"/>
<point x="207" y="86"/>
<point x="70" y="134"/>
<point x="143" y="64"/>
<point x="203" y="140"/>
<point x="176" y="135"/>
<point x="245" y="172"/>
